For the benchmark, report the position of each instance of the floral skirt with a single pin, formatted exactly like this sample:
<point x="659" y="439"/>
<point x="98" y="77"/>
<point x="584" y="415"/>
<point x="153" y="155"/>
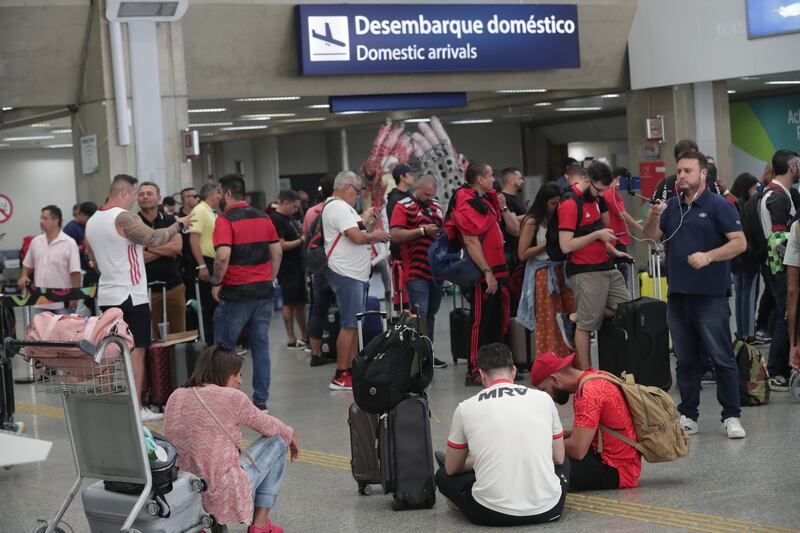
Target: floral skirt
<point x="548" y="335"/>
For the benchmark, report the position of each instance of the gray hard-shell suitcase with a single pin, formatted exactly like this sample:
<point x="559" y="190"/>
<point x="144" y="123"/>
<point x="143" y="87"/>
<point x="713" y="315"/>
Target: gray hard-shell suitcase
<point x="364" y="448"/>
<point x="106" y="511"/>
<point x="406" y="454"/>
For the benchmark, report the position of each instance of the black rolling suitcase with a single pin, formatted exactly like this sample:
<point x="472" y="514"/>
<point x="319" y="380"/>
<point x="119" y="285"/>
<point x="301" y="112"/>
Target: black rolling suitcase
<point x="460" y="327"/>
<point x="636" y="341"/>
<point x="406" y="454"/>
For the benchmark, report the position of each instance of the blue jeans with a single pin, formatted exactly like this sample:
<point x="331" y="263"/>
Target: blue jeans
<point x="701" y="325"/>
<point x="746" y="291"/>
<point x="351" y="297"/>
<point x="269" y="453"/>
<point x="253" y="316"/>
<point x="322" y="298"/>
<point x="778" y="364"/>
<point x="425" y="297"/>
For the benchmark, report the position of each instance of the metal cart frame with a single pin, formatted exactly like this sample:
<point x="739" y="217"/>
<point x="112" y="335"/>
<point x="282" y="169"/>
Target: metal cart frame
<point x="102" y="415"/>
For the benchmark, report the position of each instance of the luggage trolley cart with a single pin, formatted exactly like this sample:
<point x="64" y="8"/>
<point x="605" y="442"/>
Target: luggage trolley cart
<point x="103" y="422"/>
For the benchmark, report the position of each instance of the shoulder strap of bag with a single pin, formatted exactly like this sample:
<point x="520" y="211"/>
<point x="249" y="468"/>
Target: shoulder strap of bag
<point x="244" y="451"/>
<point x="322" y="232"/>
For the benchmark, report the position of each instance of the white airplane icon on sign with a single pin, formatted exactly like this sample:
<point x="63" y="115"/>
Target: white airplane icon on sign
<point x="328" y="39"/>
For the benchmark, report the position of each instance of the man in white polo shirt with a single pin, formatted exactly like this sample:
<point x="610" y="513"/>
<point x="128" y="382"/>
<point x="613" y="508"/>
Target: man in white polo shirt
<point x="53" y="259"/>
<point x="347" y="246"/>
<point x="505" y="462"/>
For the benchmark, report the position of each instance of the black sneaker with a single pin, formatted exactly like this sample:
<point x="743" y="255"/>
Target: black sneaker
<point x="762" y="337"/>
<point x="470" y="381"/>
<point x="439" y="456"/>
<point x="438" y="363"/>
<point x="261" y="406"/>
<point x="318" y="360"/>
<point x="708" y="378"/>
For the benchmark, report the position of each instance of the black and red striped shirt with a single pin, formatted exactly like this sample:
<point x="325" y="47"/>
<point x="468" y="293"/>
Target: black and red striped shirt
<point x="409" y="213"/>
<point x="248" y="232"/>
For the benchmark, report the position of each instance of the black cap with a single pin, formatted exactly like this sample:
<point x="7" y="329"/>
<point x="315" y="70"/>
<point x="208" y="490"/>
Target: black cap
<point x="399" y="170"/>
<point x="621" y="171"/>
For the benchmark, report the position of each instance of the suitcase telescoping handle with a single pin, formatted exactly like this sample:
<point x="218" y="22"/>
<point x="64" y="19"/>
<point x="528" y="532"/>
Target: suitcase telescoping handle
<point x="360" y="320"/>
<point x="163" y="326"/>
<point x="654" y="268"/>
<point x="200" y="329"/>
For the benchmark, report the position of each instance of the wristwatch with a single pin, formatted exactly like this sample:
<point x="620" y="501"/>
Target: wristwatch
<point x="486" y="270"/>
<point x="180" y="225"/>
<point x="505" y="209"/>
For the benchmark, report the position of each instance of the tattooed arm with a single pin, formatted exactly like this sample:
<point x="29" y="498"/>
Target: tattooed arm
<point x="132" y="228"/>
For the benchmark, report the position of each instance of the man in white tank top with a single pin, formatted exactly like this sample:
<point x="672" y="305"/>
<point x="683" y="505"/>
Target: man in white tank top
<point x="116" y="238"/>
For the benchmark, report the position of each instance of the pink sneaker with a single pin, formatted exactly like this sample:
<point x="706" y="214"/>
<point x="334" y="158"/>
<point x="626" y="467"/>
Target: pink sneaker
<point x="269" y="527"/>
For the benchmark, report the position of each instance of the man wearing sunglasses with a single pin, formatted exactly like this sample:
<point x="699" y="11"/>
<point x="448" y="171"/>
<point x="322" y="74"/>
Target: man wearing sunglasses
<point x="347" y="239"/>
<point x="598" y="287"/>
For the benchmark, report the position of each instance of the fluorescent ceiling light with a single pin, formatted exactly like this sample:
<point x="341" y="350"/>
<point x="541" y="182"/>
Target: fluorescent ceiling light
<point x="587" y="108"/>
<point x="65" y="130"/>
<point x="731" y="91"/>
<point x="268" y="99"/>
<point x="268" y="116"/>
<point x="309" y="119"/>
<point x="209" y="110"/>
<point x="41" y="125"/>
<point x="206" y="135"/>
<point x="3" y="145"/>
<point x="750" y="78"/>
<point x="782" y="82"/>
<point x="418" y="120"/>
<point x="319" y="106"/>
<point x="147" y="9"/>
<point x="352" y="112"/>
<point x="210" y="124"/>
<point x="542" y="104"/>
<point x="29" y="138"/>
<point x="610" y="95"/>
<point x="7" y="108"/>
<point x="521" y="91"/>
<point x="243" y="128"/>
<point x="67" y="145"/>
<point x="473" y="121"/>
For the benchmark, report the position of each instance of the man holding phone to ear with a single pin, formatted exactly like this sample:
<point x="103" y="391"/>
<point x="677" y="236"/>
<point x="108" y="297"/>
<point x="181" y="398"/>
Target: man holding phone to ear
<point x="702" y="233"/>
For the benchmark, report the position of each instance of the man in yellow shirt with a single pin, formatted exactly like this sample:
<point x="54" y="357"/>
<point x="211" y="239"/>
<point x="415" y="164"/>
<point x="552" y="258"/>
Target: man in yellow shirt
<point x="201" y="241"/>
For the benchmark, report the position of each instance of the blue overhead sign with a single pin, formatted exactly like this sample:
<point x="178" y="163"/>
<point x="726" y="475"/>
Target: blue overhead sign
<point x="772" y="17"/>
<point x="400" y="38"/>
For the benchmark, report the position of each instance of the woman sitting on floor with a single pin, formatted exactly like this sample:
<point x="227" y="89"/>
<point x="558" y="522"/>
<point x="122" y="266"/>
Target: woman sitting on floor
<point x="202" y="421"/>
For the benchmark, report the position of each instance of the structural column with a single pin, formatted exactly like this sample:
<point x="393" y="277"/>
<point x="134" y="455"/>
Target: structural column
<point x="97" y="117"/>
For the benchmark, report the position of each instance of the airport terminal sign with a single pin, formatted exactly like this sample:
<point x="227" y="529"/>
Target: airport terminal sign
<point x="400" y="38"/>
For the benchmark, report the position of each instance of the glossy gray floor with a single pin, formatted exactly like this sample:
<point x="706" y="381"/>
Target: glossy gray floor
<point x="722" y="486"/>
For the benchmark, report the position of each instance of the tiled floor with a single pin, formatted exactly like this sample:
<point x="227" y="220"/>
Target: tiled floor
<point x="722" y="486"/>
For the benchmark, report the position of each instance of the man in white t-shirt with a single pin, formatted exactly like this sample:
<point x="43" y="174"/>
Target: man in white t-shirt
<point x="792" y="262"/>
<point x="347" y="241"/>
<point x="505" y="463"/>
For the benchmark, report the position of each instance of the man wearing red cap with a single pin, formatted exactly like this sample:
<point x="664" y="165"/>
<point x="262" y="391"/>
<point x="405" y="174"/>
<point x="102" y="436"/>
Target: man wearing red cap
<point x="505" y="463"/>
<point x="597" y="403"/>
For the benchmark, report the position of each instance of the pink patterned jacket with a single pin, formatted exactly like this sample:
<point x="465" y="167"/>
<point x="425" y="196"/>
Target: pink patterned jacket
<point x="205" y="450"/>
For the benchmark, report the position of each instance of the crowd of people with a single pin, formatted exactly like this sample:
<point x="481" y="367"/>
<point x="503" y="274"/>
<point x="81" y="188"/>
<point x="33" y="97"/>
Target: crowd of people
<point x="560" y="268"/>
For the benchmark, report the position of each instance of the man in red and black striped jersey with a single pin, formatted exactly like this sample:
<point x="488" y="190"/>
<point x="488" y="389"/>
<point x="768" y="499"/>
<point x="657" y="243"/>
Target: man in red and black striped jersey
<point x="473" y="219"/>
<point x="416" y="222"/>
<point x="248" y="251"/>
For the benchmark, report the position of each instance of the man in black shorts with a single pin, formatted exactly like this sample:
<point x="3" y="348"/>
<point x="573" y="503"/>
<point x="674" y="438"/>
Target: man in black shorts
<point x="291" y="276"/>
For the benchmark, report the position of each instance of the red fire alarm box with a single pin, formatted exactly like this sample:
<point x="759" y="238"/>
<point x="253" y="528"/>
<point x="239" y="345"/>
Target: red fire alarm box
<point x="651" y="172"/>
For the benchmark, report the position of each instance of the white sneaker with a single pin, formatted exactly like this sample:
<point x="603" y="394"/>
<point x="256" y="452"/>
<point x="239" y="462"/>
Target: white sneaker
<point x="689" y="425"/>
<point x="734" y="428"/>
<point x="149" y="416"/>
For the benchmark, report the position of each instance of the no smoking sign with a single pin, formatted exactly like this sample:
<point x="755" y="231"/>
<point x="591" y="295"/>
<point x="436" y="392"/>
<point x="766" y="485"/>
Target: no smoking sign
<point x="6" y="208"/>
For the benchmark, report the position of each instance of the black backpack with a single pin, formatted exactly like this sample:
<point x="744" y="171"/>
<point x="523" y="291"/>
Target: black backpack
<point x="552" y="246"/>
<point x="391" y="366"/>
<point x="756" y="253"/>
<point x="315" y="257"/>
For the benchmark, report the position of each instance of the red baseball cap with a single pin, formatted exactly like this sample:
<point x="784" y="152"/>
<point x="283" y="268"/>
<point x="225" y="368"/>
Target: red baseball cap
<point x="546" y="364"/>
